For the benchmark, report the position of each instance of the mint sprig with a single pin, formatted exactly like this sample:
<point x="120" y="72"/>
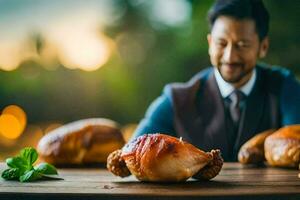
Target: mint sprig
<point x="21" y="167"/>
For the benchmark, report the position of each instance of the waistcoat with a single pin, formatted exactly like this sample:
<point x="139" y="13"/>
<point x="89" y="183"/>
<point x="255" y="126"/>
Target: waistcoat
<point x="200" y="114"/>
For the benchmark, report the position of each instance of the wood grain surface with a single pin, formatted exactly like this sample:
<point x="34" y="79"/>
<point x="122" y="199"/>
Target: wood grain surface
<point x="235" y="181"/>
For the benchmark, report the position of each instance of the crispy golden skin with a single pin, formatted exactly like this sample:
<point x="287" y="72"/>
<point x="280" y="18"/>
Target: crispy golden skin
<point x="81" y="142"/>
<point x="282" y="148"/>
<point x="162" y="158"/>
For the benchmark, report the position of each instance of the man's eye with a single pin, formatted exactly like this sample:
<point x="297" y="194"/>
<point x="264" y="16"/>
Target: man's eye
<point x="243" y="45"/>
<point x="221" y="44"/>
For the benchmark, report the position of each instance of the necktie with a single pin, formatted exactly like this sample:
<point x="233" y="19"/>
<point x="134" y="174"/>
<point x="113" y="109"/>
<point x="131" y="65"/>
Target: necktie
<point x="237" y="97"/>
<point x="236" y="101"/>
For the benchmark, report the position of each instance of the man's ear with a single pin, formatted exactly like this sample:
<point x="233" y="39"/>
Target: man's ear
<point x="208" y="38"/>
<point x="264" y="47"/>
<point x="208" y="41"/>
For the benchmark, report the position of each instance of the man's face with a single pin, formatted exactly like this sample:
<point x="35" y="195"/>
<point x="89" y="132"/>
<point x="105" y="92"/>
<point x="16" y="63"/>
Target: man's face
<point x="234" y="48"/>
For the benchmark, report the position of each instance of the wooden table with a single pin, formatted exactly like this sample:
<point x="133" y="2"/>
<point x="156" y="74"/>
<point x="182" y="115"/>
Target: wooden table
<point x="234" y="182"/>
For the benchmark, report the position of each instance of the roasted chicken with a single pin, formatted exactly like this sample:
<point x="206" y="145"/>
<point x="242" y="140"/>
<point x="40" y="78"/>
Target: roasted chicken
<point x="162" y="158"/>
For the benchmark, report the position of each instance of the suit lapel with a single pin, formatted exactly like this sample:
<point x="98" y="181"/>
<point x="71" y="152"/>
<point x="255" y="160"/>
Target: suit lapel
<point x="201" y="118"/>
<point x="213" y="108"/>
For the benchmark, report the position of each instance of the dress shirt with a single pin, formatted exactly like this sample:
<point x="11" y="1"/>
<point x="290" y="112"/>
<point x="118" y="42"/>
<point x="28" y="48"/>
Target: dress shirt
<point x="226" y="88"/>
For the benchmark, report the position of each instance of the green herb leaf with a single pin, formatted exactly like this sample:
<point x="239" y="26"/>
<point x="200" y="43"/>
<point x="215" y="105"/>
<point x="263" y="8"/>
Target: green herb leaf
<point x="45" y="168"/>
<point x="30" y="176"/>
<point x="21" y="167"/>
<point x="11" y="174"/>
<point x="18" y="162"/>
<point x="29" y="154"/>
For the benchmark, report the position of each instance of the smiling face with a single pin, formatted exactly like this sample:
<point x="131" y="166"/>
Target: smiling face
<point x="234" y="48"/>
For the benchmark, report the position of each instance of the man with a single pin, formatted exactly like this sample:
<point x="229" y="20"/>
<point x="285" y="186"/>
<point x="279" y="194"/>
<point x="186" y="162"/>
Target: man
<point x="225" y="105"/>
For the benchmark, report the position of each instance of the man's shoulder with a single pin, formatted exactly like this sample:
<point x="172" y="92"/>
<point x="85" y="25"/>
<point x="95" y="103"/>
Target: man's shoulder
<point x="192" y="84"/>
<point x="273" y="71"/>
<point x="274" y="77"/>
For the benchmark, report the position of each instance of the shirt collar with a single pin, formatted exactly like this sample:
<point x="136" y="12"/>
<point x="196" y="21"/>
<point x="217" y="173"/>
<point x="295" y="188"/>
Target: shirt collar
<point x="226" y="88"/>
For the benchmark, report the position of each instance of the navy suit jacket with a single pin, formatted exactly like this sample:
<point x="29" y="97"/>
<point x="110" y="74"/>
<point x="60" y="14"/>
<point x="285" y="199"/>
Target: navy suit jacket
<point x="195" y="110"/>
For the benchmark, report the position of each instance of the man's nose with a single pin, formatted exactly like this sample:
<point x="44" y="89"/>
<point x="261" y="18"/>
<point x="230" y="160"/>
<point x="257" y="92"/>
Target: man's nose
<point x="230" y="54"/>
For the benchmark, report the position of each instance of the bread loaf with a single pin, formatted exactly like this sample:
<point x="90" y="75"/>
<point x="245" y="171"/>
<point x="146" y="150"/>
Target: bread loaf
<point x="282" y="148"/>
<point x="81" y="142"/>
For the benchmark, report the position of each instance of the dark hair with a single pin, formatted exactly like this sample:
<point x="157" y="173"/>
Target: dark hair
<point x="242" y="9"/>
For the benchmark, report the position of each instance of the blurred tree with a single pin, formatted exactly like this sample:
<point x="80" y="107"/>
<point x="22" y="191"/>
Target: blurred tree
<point x="147" y="56"/>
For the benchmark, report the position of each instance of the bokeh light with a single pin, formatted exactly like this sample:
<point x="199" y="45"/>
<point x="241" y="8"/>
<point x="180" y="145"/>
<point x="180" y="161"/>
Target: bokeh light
<point x="86" y="51"/>
<point x="166" y="12"/>
<point x="10" y="127"/>
<point x="12" y="122"/>
<point x="17" y="112"/>
<point x="10" y="55"/>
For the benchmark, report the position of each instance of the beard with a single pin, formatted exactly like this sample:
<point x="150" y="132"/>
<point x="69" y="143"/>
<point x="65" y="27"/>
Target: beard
<point x="234" y="74"/>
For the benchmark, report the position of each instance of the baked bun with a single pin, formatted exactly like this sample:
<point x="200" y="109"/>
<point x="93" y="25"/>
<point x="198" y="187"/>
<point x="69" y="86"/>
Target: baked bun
<point x="81" y="142"/>
<point x="252" y="152"/>
<point x="282" y="148"/>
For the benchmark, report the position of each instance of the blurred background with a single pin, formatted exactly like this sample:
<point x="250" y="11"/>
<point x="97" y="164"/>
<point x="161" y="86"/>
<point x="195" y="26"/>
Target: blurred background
<point x="65" y="60"/>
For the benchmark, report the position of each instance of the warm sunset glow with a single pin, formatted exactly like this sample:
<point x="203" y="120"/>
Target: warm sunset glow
<point x="10" y="127"/>
<point x="9" y="55"/>
<point x="12" y="122"/>
<point x="86" y="51"/>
